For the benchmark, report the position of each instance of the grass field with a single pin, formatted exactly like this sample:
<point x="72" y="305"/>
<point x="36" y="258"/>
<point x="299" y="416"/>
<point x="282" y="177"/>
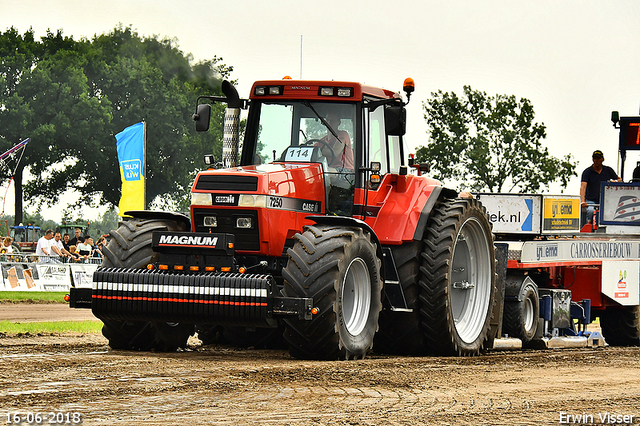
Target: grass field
<point x="8" y="327"/>
<point x="32" y="297"/>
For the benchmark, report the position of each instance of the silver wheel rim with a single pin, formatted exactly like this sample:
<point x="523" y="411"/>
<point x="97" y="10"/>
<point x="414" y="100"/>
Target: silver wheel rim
<point x="528" y="315"/>
<point x="470" y="280"/>
<point x="356" y="296"/>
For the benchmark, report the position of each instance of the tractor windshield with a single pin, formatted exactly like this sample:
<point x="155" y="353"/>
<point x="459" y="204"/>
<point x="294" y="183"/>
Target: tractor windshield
<point x="311" y="132"/>
<point x="303" y="131"/>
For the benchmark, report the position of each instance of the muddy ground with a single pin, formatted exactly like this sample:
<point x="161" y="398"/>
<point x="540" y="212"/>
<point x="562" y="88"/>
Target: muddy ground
<point x="230" y="386"/>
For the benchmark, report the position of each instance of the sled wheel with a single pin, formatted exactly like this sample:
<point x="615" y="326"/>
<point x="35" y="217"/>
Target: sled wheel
<point x="130" y="247"/>
<point x="457" y="278"/>
<point x="339" y="269"/>
<point x="621" y="326"/>
<point x="521" y="309"/>
<point x="146" y="336"/>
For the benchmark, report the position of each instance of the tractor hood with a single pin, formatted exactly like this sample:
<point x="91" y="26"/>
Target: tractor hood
<point x="262" y="206"/>
<point x="281" y="183"/>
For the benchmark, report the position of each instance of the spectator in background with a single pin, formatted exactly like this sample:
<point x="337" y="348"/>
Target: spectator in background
<point x="57" y="247"/>
<point x="65" y="241"/>
<point x="6" y="246"/>
<point x="44" y="244"/>
<point x="592" y="178"/>
<point x="85" y="248"/>
<point x="73" y="255"/>
<point x="97" y="252"/>
<point x="102" y="240"/>
<point x="77" y="239"/>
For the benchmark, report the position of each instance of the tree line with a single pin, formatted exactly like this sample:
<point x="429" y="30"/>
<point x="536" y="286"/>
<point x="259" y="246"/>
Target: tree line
<point x="72" y="96"/>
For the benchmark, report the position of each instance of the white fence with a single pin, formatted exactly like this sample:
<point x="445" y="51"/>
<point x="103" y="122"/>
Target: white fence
<point x="22" y="272"/>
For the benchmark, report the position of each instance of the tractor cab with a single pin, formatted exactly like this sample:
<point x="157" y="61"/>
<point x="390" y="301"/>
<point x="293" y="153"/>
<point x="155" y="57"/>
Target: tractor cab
<point x="350" y="132"/>
<point x="309" y="132"/>
<point x="26" y="237"/>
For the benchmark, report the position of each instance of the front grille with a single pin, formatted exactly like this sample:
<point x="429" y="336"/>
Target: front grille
<point x="227" y="183"/>
<point x="245" y="239"/>
<point x="211" y="298"/>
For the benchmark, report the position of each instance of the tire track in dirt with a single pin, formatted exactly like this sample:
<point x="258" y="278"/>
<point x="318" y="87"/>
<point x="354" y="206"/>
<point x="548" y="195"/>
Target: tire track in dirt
<point x="223" y="385"/>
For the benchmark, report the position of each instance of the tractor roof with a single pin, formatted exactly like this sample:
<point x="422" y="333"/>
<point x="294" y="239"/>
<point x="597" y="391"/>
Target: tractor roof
<point x="316" y="90"/>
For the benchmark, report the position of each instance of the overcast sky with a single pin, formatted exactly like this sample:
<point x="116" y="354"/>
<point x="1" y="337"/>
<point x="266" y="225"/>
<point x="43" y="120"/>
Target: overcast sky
<point x="575" y="60"/>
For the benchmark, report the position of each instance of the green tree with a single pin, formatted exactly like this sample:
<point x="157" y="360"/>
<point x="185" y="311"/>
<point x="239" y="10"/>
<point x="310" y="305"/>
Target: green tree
<point x="489" y="143"/>
<point x="71" y="98"/>
<point x="149" y="79"/>
<point x="44" y="96"/>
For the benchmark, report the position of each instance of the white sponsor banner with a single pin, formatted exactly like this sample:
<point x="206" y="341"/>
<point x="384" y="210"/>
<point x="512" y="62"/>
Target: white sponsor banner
<point x="19" y="277"/>
<point x="54" y="277"/>
<point x="82" y="275"/>
<point x="45" y="276"/>
<point x="513" y="213"/>
<point x="621" y="204"/>
<point x="578" y="250"/>
<point x="621" y="282"/>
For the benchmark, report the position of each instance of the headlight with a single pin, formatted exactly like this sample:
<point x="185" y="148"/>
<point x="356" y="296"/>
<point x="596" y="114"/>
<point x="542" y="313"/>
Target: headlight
<point x="243" y="222"/>
<point x="211" y="221"/>
<point x="200" y="199"/>
<point x="248" y="200"/>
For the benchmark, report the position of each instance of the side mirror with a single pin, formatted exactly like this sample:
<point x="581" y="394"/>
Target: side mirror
<point x="202" y="117"/>
<point x="395" y="120"/>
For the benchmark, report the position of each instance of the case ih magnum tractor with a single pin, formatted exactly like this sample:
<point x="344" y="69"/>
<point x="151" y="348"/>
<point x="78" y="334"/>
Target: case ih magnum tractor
<point x="316" y="230"/>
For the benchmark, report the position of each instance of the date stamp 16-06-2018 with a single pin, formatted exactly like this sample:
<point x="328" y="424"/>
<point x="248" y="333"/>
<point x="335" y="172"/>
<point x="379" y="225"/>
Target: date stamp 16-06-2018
<point x="43" y="418"/>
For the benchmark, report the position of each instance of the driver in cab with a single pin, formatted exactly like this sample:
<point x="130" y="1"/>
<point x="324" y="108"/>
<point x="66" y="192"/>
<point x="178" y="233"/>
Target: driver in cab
<point x="337" y="151"/>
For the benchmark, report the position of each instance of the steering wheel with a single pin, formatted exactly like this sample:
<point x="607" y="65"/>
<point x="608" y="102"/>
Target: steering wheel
<point x="314" y="141"/>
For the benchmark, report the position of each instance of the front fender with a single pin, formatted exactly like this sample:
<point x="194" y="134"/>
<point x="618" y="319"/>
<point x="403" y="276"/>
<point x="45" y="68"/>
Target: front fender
<point x="152" y="214"/>
<point x="351" y="222"/>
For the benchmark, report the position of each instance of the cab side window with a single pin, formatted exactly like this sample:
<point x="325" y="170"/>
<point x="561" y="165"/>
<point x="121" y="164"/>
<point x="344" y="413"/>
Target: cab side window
<point x="377" y="137"/>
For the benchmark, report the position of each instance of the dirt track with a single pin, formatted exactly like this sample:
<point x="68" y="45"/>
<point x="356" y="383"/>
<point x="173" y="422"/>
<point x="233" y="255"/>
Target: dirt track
<point x="224" y="385"/>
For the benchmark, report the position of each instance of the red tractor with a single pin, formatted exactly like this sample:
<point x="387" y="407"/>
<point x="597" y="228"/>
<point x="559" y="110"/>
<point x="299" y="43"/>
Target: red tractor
<point x="313" y="229"/>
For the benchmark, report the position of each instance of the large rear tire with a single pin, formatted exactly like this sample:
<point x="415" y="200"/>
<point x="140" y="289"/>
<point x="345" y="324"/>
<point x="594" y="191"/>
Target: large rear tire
<point x="457" y="278"/>
<point x="621" y="326"/>
<point x="339" y="269"/>
<point x="130" y="247"/>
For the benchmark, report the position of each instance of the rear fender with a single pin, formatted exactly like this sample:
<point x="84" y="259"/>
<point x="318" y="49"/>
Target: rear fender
<point x="150" y="214"/>
<point x="438" y="193"/>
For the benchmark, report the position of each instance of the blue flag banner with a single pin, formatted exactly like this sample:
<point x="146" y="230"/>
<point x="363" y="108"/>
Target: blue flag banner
<point x="130" y="145"/>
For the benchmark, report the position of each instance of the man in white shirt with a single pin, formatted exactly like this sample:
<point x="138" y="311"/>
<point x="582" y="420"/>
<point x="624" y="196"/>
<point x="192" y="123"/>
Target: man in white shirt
<point x="57" y="247"/>
<point x="44" y="244"/>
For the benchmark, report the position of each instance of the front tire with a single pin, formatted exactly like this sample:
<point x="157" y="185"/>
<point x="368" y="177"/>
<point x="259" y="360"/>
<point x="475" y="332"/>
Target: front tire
<point x="338" y="268"/>
<point x="130" y="247"/>
<point x="457" y="278"/>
